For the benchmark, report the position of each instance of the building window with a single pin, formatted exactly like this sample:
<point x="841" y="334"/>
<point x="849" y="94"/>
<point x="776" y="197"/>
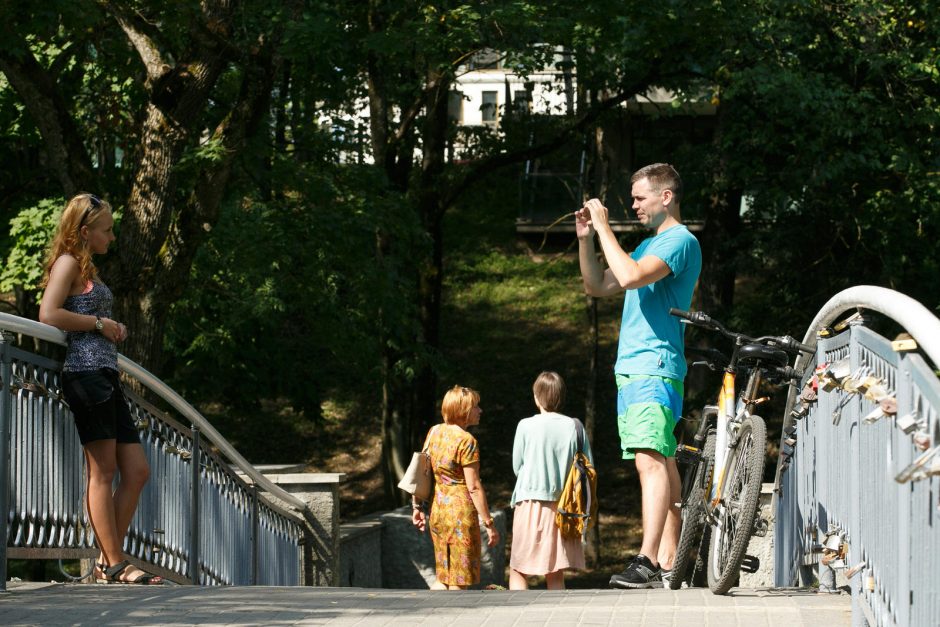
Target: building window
<point x="455" y="106"/>
<point x="520" y="101"/>
<point x="488" y="108"/>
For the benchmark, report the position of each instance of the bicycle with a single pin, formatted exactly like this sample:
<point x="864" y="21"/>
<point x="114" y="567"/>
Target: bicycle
<point x="730" y="439"/>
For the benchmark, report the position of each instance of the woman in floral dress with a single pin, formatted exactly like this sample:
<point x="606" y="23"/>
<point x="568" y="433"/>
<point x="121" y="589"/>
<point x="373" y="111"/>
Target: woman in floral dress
<point x="459" y="506"/>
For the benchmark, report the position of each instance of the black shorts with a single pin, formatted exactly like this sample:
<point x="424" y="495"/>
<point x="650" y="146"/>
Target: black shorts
<point x="99" y="406"/>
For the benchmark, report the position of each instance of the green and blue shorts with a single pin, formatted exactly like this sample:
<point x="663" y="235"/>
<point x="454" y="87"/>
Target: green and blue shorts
<point x="648" y="408"/>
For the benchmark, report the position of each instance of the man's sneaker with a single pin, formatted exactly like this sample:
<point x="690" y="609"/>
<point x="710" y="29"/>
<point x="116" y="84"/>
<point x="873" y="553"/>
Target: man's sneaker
<point x="639" y="574"/>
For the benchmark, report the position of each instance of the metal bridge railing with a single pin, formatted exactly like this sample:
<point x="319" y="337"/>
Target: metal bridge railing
<point x="197" y="521"/>
<point x="858" y="491"/>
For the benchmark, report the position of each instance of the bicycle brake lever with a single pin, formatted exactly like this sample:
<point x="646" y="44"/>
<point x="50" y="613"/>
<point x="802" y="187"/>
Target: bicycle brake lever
<point x="709" y="364"/>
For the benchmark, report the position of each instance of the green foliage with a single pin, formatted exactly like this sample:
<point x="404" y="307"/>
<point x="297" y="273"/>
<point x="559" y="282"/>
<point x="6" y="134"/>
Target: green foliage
<point x="827" y="118"/>
<point x="831" y="114"/>
<point x="30" y="233"/>
<point x="287" y="298"/>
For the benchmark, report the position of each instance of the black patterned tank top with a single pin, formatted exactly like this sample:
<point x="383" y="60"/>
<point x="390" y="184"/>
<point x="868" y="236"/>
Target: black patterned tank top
<point x="89" y="350"/>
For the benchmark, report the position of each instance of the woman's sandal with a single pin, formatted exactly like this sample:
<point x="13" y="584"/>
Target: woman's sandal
<point x="111" y="574"/>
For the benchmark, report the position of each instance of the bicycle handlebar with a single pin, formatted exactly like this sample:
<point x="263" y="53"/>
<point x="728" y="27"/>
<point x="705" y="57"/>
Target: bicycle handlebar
<point x="678" y="313"/>
<point x="701" y="319"/>
<point x="789" y="343"/>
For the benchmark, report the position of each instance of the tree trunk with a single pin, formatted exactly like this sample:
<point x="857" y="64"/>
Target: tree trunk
<point x="600" y="167"/>
<point x="431" y="272"/>
<point x="396" y="432"/>
<point x="719" y="236"/>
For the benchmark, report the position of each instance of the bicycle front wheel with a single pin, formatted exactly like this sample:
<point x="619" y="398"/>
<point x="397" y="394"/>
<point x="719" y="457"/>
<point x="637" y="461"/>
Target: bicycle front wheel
<point x="738" y="507"/>
<point x="693" y="516"/>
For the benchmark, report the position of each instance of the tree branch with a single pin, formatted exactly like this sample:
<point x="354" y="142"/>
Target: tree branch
<point x="411" y="114"/>
<point x="142" y="36"/>
<point x="203" y="204"/>
<point x="65" y="152"/>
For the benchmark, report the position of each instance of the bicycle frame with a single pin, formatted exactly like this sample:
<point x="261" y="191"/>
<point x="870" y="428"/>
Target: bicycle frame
<point x="731" y="411"/>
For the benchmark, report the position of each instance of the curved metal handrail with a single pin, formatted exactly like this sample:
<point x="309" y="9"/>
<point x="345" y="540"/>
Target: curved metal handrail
<point x="49" y="333"/>
<point x="923" y="325"/>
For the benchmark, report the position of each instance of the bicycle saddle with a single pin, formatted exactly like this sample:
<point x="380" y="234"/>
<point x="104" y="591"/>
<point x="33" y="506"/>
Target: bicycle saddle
<point x="763" y="353"/>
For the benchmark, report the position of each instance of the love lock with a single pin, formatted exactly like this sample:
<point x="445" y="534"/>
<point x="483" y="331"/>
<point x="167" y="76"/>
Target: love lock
<point x="833" y="542"/>
<point x="800" y="412"/>
<point x="855" y="383"/>
<point x="874" y="389"/>
<point x="866" y="383"/>
<point x="832" y="375"/>
<point x="903" y="342"/>
<point x="855" y="319"/>
<point x="889" y="405"/>
<point x="873" y="416"/>
<point x="908" y="423"/>
<point x="855" y="570"/>
<point x="922" y="440"/>
<point x="925" y="465"/>
<point x="809" y="393"/>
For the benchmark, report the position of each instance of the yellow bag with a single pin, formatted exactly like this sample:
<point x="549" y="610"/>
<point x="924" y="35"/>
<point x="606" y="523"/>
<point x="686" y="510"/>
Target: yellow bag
<point x="577" y="505"/>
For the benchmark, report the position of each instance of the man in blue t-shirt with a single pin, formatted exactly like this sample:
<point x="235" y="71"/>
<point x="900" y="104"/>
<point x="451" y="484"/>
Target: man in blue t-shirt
<point x="660" y="274"/>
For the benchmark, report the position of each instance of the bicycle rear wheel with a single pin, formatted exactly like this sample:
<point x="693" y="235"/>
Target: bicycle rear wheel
<point x="693" y="516"/>
<point x="738" y="507"/>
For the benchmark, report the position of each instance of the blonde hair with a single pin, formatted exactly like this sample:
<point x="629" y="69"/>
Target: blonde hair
<point x="83" y="210"/>
<point x="457" y="404"/>
<point x="549" y="390"/>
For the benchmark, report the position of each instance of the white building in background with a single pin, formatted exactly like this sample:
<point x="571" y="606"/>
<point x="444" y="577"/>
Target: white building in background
<point x="485" y="89"/>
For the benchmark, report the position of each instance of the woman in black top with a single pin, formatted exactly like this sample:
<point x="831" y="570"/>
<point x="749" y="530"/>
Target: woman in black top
<point x="77" y="302"/>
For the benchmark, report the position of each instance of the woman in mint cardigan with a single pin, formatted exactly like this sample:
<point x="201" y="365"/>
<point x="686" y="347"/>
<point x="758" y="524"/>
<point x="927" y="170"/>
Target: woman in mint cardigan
<point x="542" y="453"/>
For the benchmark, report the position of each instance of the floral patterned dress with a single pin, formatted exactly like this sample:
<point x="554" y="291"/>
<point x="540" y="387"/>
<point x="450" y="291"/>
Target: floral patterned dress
<point x="455" y="528"/>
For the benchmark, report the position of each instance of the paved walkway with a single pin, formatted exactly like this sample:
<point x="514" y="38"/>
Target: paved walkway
<point x="74" y="604"/>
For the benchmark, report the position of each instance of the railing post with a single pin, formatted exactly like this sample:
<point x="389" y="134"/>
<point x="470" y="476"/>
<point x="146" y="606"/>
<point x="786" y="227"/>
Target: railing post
<point x="6" y="418"/>
<point x="194" y="536"/>
<point x="255" y="534"/>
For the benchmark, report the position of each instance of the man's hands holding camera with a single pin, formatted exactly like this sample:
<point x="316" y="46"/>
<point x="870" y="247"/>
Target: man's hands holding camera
<point x="588" y="216"/>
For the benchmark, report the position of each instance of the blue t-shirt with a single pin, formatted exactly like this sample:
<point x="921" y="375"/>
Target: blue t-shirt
<point x="652" y="341"/>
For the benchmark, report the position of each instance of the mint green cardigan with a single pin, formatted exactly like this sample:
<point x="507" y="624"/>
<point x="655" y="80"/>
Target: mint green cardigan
<point x="542" y="452"/>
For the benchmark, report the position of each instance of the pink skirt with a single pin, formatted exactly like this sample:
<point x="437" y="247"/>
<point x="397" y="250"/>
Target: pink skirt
<point x="538" y="547"/>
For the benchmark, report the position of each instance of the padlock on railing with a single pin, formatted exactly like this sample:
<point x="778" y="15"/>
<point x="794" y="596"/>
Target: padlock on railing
<point x="831" y="375"/>
<point x="909" y="423"/>
<point x="925" y="465"/>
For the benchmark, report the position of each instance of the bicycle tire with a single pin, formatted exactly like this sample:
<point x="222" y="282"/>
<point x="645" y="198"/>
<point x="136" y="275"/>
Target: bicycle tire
<point x="738" y="508"/>
<point x="698" y="578"/>
<point x="693" y="517"/>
